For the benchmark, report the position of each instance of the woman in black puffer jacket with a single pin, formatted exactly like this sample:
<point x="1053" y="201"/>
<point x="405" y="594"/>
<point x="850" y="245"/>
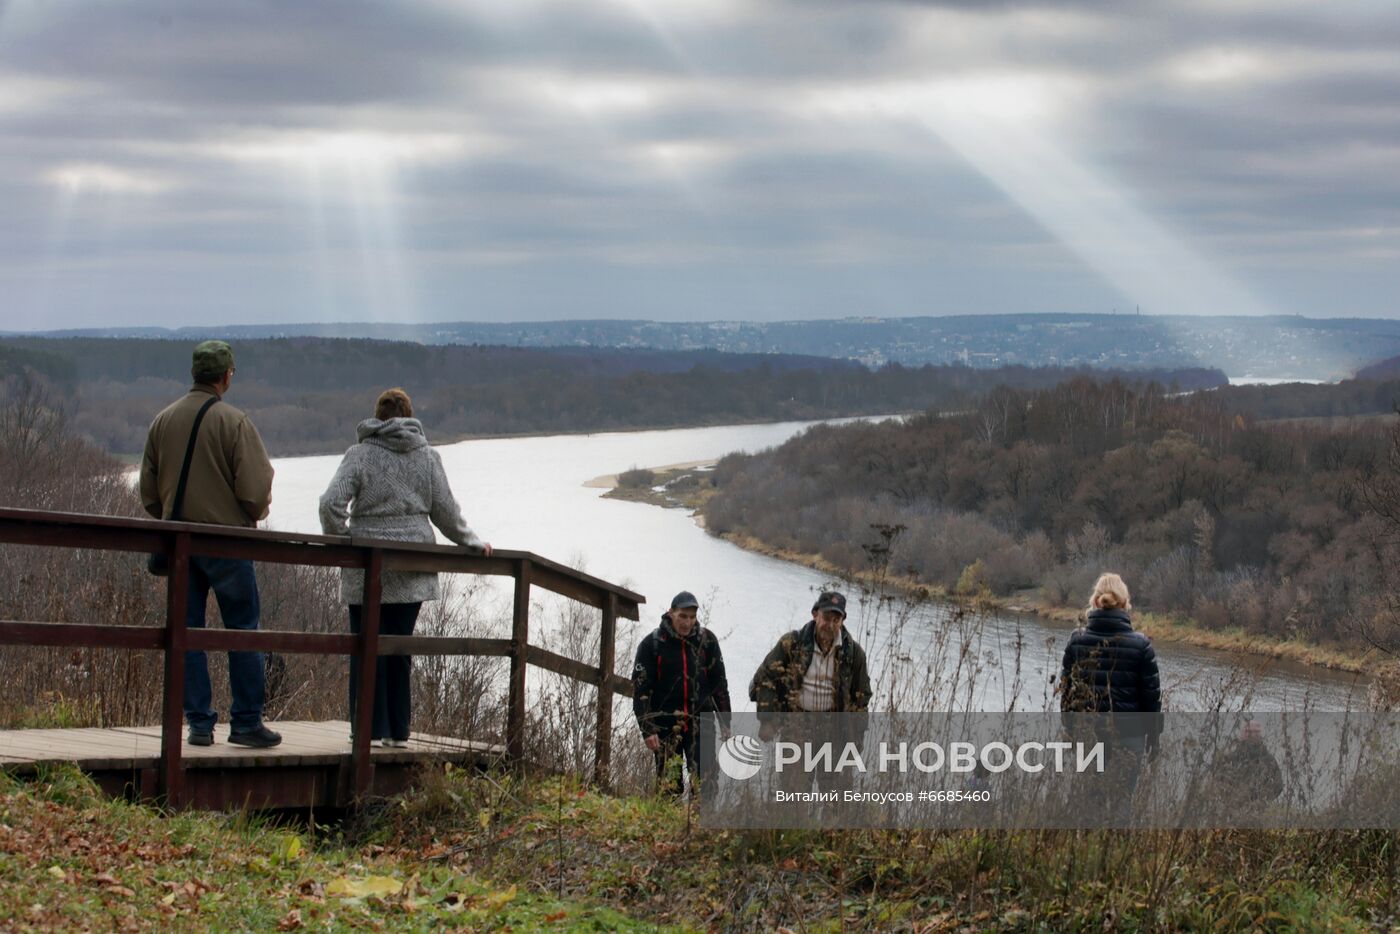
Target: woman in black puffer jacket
<point x="1108" y="666"/>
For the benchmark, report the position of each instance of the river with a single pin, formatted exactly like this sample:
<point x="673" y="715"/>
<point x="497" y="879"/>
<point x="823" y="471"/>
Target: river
<point x="529" y="494"/>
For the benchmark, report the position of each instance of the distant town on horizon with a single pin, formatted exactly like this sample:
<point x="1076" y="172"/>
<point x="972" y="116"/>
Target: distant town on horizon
<point x="1275" y="347"/>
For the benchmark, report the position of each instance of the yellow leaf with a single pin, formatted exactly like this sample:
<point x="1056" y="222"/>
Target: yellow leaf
<point x="498" y="900"/>
<point x="485" y="818"/>
<point x="58" y="873"/>
<point x="169" y="899"/>
<point x="343" y="887"/>
<point x="288" y="848"/>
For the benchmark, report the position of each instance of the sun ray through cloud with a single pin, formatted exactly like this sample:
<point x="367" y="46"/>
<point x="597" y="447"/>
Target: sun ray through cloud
<point x="1003" y="126"/>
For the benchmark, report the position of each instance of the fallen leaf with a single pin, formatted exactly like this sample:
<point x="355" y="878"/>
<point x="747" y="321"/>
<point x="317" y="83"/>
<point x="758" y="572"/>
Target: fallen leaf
<point x="498" y="900"/>
<point x="556" y="916"/>
<point x="288" y="848"/>
<point x="169" y="899"/>
<point x="121" y="890"/>
<point x="311" y="888"/>
<point x="105" y="878"/>
<point x="58" y="873"/>
<point x="343" y="887"/>
<point x="291" y="922"/>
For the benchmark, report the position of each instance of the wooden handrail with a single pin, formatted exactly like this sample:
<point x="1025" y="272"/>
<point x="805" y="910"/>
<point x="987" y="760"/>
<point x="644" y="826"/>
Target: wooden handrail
<point x="181" y="540"/>
<point x="119" y="533"/>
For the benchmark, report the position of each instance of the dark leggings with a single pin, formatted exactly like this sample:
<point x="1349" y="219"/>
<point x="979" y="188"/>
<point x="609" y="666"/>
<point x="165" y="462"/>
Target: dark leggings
<point x="393" y="675"/>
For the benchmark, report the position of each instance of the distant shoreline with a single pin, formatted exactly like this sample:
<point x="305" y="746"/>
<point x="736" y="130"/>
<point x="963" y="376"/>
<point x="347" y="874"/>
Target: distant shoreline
<point x="725" y="423"/>
<point x="1161" y="628"/>
<point x="609" y="481"/>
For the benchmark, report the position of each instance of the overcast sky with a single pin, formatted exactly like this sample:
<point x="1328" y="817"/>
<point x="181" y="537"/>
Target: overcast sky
<point x="419" y="160"/>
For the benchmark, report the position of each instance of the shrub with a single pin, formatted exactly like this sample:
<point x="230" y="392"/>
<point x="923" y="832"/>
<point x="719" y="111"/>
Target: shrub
<point x="1009" y="568"/>
<point x="638" y="478"/>
<point x="973" y="579"/>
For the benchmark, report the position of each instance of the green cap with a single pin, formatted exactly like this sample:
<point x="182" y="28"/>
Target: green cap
<point x="211" y="358"/>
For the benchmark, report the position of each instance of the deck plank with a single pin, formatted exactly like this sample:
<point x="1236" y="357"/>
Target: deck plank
<point x="305" y="743"/>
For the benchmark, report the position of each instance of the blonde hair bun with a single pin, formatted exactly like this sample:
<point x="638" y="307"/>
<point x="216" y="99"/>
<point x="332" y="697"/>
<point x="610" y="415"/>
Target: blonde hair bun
<point x="1110" y="593"/>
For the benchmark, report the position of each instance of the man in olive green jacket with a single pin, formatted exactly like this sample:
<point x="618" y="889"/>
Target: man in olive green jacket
<point x="817" y="669"/>
<point x="229" y="483"/>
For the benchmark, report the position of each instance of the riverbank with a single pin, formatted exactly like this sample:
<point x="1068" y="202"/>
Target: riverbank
<point x="673" y="486"/>
<point x="1159" y="627"/>
<point x="443" y="440"/>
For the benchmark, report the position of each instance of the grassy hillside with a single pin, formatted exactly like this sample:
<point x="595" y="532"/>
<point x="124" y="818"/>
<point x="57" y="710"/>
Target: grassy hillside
<point x="494" y="852"/>
<point x="71" y="859"/>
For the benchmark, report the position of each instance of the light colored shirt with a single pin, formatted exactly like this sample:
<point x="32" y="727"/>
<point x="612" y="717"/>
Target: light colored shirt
<point x="819" y="684"/>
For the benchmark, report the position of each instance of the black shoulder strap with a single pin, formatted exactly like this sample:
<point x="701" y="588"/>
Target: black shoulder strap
<point x="189" y="456"/>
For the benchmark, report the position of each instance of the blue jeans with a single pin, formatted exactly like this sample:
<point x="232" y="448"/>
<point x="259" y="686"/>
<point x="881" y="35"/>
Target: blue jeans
<point x="236" y="588"/>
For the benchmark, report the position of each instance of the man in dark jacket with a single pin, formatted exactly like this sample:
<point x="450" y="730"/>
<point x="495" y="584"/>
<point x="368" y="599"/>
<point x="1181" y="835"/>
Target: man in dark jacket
<point x="1247" y="773"/>
<point x="679" y="676"/>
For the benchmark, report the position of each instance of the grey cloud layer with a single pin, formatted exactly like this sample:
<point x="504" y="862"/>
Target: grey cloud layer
<point x="267" y="161"/>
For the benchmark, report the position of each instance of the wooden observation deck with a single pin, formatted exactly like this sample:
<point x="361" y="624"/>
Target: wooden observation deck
<point x="316" y="765"/>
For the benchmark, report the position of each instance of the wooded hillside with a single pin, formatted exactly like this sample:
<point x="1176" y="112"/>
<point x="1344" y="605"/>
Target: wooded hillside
<point x="307" y="394"/>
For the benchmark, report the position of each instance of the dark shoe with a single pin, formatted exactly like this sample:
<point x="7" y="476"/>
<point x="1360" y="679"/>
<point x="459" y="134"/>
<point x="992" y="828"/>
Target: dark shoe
<point x="261" y="738"/>
<point x="200" y="737"/>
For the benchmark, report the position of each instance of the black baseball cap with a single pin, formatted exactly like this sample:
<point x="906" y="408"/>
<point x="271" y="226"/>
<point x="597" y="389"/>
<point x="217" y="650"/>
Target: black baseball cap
<point x="830" y="600"/>
<point x="685" y="600"/>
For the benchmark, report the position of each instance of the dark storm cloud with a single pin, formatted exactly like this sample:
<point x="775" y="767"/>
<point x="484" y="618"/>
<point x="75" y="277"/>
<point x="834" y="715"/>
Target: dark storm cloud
<point x="695" y="158"/>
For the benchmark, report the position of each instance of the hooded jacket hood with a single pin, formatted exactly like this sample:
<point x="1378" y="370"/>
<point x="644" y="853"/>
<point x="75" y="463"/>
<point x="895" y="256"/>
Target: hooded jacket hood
<point x="395" y="434"/>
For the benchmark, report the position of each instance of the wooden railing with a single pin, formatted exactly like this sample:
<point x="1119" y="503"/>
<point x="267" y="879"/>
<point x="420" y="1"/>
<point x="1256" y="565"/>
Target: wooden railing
<point x="180" y="540"/>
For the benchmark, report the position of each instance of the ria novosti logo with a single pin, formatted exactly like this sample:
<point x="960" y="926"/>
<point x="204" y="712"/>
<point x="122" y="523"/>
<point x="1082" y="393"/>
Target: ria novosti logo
<point x="740" y="757"/>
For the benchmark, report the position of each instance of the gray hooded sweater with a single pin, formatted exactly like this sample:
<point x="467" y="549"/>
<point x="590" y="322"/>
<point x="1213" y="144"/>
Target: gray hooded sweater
<point x="391" y="486"/>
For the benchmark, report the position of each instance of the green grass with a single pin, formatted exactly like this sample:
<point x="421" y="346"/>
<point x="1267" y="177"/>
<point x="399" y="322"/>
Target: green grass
<point x="643" y="855"/>
<point x="497" y="852"/>
<point x="72" y="859"/>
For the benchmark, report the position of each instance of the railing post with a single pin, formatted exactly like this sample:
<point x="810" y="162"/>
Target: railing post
<point x="367" y="651"/>
<point x="607" y="658"/>
<point x="519" y="651"/>
<point x="177" y="594"/>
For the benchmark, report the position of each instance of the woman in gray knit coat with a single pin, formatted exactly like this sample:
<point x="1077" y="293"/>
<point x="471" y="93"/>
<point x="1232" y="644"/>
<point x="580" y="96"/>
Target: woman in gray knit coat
<point x="391" y="485"/>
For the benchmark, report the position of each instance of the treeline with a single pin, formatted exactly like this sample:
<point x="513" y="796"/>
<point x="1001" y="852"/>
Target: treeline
<point x="1369" y="395"/>
<point x="1205" y="511"/>
<point x="307" y="394"/>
